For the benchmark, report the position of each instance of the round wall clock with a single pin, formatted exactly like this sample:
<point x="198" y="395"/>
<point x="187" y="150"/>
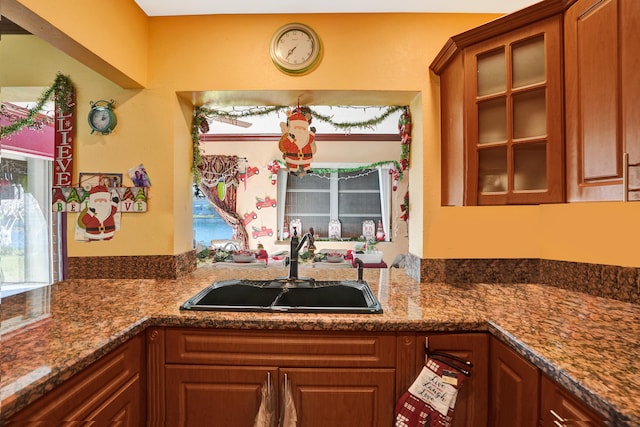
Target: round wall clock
<point x="295" y="48"/>
<point x="101" y="117"/>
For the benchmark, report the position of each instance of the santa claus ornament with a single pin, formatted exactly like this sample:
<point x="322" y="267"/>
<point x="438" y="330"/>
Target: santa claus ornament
<point x="297" y="142"/>
<point x="100" y="219"/>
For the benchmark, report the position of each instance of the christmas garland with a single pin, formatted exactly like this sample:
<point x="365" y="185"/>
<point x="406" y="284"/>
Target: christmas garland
<point x="201" y="125"/>
<point x="404" y="128"/>
<point x="62" y="92"/>
<point x="327" y="171"/>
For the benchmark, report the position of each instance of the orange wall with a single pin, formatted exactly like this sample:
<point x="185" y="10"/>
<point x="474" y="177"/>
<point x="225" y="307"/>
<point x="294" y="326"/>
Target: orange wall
<point x="379" y="52"/>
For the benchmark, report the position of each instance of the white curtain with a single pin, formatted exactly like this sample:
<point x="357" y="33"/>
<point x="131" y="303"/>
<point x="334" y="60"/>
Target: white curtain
<point x="283" y="175"/>
<point x="385" y="200"/>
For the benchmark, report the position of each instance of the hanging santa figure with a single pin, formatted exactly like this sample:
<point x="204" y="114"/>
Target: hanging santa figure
<point x="297" y="142"/>
<point x="99" y="217"/>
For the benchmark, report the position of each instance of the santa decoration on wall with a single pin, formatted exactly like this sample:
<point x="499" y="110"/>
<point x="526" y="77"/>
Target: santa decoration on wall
<point x="297" y="142"/>
<point x="100" y="218"/>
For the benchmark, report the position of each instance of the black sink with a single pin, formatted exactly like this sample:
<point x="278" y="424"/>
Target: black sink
<point x="282" y="295"/>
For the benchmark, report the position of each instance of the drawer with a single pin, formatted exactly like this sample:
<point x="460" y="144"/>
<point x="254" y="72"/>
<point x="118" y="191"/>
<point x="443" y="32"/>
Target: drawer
<point x="280" y="348"/>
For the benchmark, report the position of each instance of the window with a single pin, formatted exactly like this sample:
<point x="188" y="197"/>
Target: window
<point x="207" y="224"/>
<point x="29" y="244"/>
<point x="349" y="196"/>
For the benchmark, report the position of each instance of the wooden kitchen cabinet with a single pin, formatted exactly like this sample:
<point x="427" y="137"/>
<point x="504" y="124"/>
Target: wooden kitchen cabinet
<point x="109" y="392"/>
<point x="559" y="408"/>
<point x="219" y="395"/>
<point x="502" y="107"/>
<point x="601" y="45"/>
<point x="342" y="396"/>
<point x="471" y="409"/>
<point x="540" y="106"/>
<point x="215" y="376"/>
<point x="513" y="98"/>
<point x="513" y="387"/>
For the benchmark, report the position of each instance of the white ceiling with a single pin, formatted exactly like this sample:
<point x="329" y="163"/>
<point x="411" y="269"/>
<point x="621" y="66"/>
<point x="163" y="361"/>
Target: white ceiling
<point x="212" y="7"/>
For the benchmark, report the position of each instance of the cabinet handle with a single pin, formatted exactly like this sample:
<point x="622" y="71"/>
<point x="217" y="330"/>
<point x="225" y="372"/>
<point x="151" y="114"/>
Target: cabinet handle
<point x="269" y="383"/>
<point x="559" y="421"/>
<point x="625" y="177"/>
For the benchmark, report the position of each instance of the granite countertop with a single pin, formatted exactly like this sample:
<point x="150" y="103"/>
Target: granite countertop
<point x="588" y="344"/>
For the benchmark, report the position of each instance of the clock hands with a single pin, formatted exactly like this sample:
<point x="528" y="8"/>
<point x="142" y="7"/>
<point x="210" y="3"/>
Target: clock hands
<point x="290" y="51"/>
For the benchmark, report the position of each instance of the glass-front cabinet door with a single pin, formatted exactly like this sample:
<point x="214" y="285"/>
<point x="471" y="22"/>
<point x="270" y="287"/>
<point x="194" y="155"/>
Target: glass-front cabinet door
<point x="514" y="117"/>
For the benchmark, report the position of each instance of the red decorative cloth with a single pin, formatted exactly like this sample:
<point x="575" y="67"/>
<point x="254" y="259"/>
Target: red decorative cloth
<point x="430" y="401"/>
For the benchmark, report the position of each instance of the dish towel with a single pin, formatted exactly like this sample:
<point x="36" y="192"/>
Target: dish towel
<point x="266" y="416"/>
<point x="430" y="401"/>
<point x="289" y="414"/>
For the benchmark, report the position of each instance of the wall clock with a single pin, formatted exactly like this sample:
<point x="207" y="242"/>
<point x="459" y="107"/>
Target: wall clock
<point x="101" y="117"/>
<point x="295" y="48"/>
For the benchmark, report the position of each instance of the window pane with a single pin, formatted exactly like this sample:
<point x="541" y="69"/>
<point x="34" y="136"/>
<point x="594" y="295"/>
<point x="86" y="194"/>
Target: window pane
<point x="358" y="200"/>
<point x="207" y="224"/>
<point x="359" y="180"/>
<point x="491" y="73"/>
<point x="355" y="196"/>
<point x="308" y="182"/>
<point x="528" y="62"/>
<point x="26" y="259"/>
<point x="530" y="167"/>
<point x="492" y="173"/>
<point x="492" y="121"/>
<point x="308" y="199"/>
<point x="529" y="114"/>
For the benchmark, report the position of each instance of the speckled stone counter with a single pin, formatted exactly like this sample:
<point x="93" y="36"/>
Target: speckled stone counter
<point x="588" y="344"/>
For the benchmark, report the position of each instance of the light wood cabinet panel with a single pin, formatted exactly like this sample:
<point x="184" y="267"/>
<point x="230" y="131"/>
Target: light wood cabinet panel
<point x="559" y="408"/>
<point x="514" y="388"/>
<point x="335" y="397"/>
<point x="109" y="390"/>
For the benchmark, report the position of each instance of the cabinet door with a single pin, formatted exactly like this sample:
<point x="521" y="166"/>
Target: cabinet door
<point x="592" y="90"/>
<point x="560" y="408"/>
<point x="342" y="397"/>
<point x="123" y="408"/>
<point x="214" y="395"/>
<point x="472" y="401"/>
<point x="107" y="390"/>
<point x="514" y="117"/>
<point x="513" y="388"/>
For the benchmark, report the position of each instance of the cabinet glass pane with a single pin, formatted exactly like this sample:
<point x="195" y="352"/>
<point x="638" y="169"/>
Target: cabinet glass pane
<point x="491" y="73"/>
<point x="528" y="62"/>
<point x="529" y="114"/>
<point x="530" y="167"/>
<point x="492" y="121"/>
<point x="492" y="170"/>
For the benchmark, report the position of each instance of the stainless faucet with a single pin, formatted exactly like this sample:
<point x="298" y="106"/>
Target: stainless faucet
<point x="296" y="245"/>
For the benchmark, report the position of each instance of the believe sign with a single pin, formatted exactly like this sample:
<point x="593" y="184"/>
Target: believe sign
<point x="63" y="148"/>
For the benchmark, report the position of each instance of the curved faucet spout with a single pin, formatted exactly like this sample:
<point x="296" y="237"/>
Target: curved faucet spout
<point x="296" y="245"/>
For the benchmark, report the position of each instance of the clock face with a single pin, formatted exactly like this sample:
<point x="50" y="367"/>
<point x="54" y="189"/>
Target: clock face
<point x="295" y="48"/>
<point x="101" y="119"/>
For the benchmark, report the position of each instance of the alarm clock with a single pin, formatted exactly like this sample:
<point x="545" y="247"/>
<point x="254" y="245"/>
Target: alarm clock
<point x="101" y="117"/>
